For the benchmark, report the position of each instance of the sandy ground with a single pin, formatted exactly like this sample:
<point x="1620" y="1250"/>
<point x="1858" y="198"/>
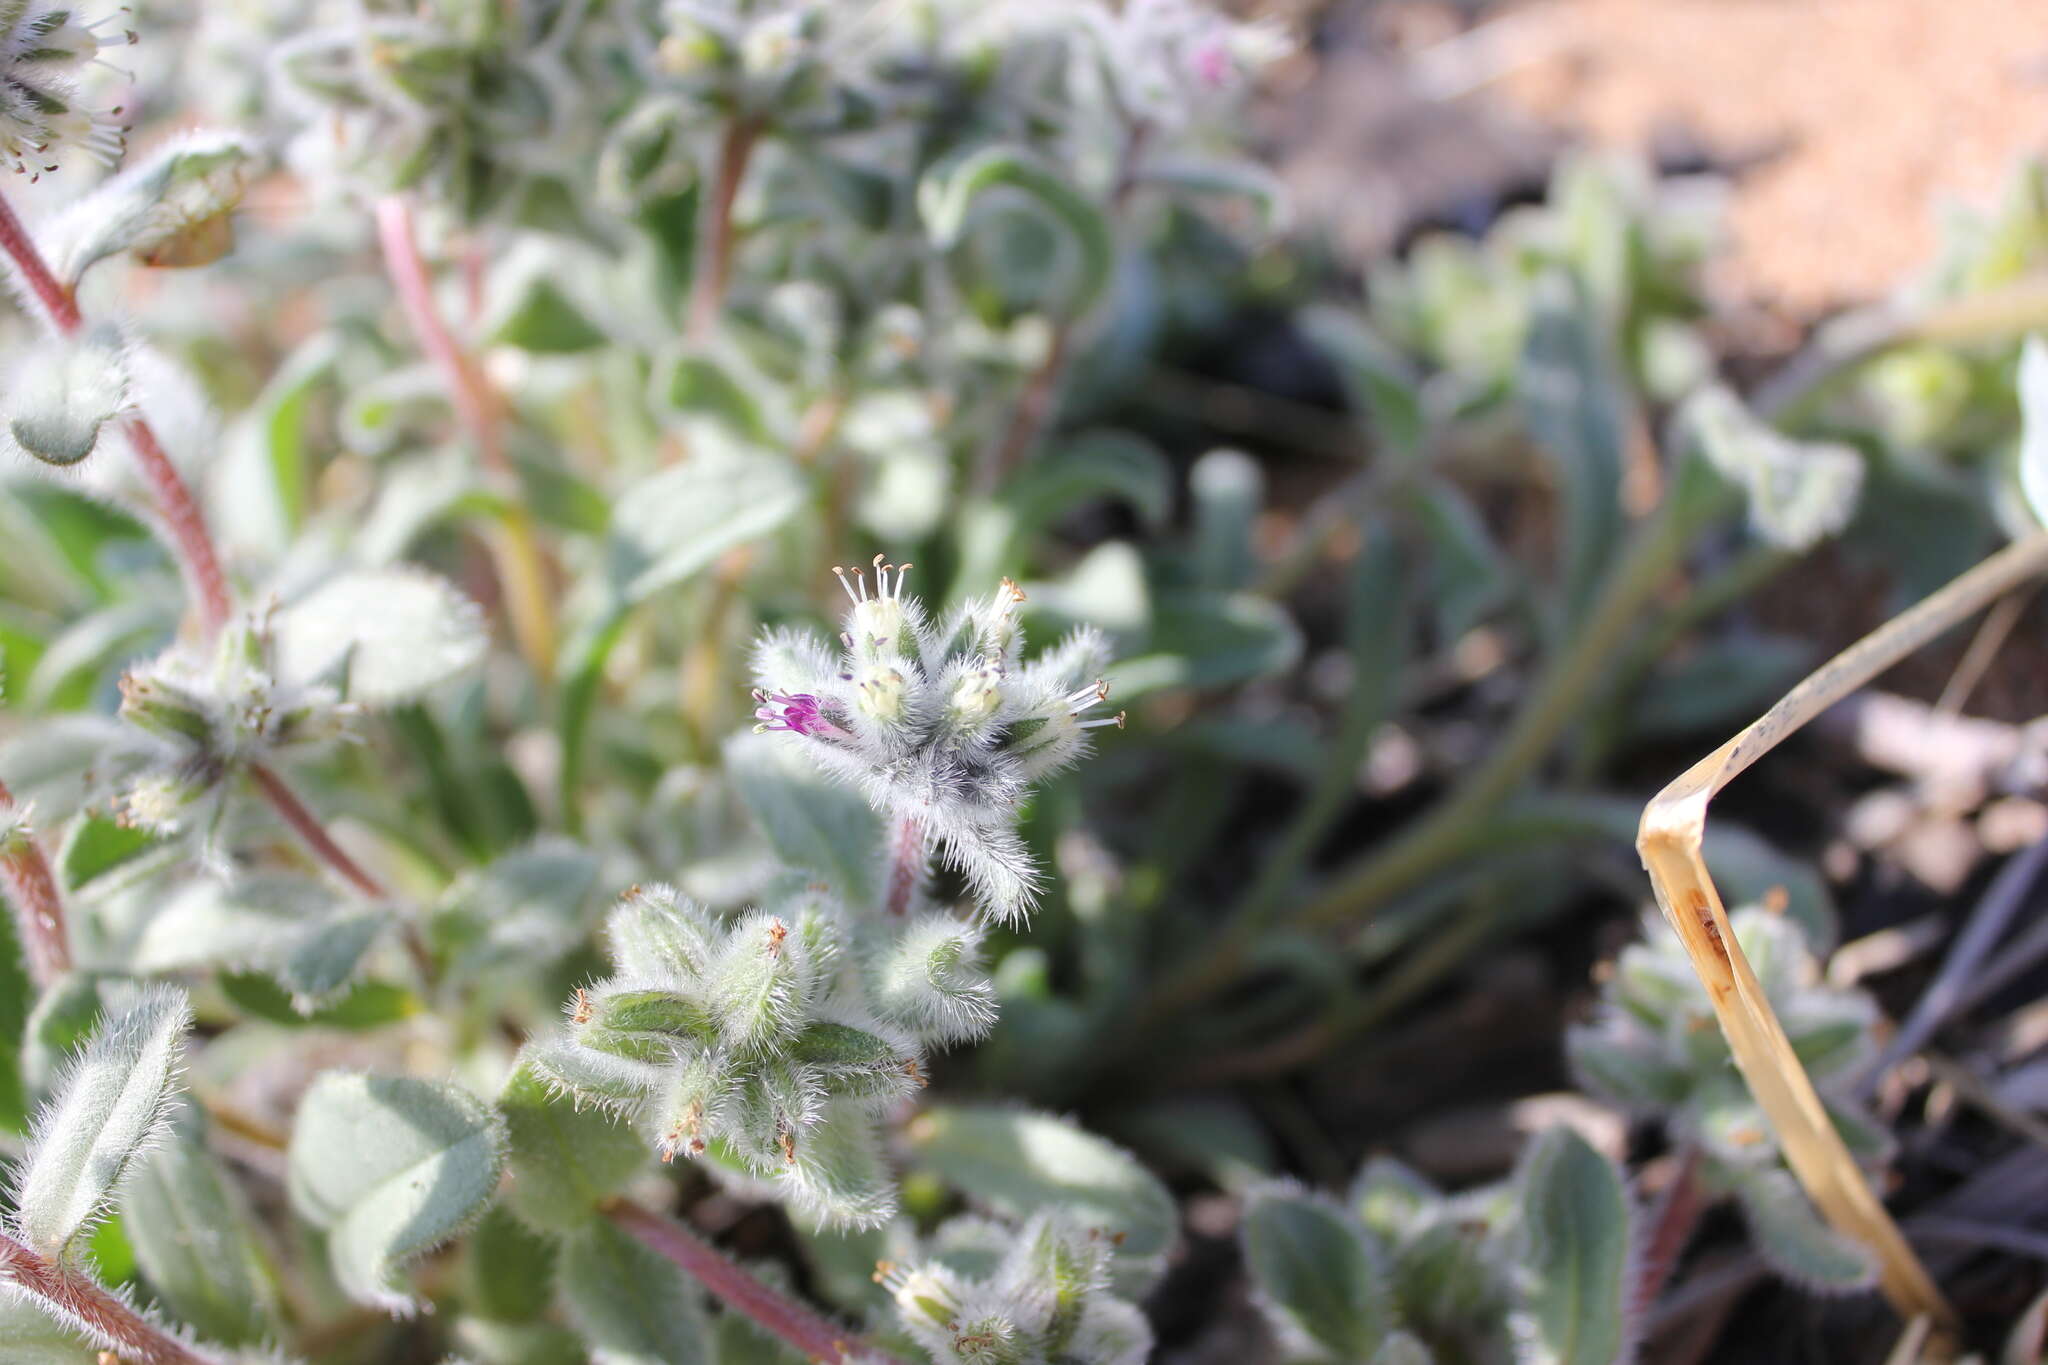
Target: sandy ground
<point x="1849" y="123"/>
<point x="1860" y="117"/>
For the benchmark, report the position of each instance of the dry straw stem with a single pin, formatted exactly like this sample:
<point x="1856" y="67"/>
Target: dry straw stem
<point x="1670" y="838"/>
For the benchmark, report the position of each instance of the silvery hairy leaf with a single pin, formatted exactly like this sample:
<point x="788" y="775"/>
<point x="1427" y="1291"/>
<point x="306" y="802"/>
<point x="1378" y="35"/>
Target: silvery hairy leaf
<point x="390" y="1167"/>
<point x="108" y="1109"/>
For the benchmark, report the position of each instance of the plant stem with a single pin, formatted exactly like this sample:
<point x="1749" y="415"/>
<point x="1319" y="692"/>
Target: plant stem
<point x="716" y="230"/>
<point x="181" y="515"/>
<point x="38" y="909"/>
<point x="1671" y="1227"/>
<point x="308" y="827"/>
<point x="75" y="1299"/>
<point x="1437" y="839"/>
<point x="1034" y="409"/>
<point x="907" y="859"/>
<point x="809" y="1333"/>
<point x="515" y="551"/>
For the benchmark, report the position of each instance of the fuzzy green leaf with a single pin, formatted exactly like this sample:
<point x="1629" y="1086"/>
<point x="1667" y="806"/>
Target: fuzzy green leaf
<point x="1318" y="1273"/>
<point x="64" y="393"/>
<point x="109" y="1107"/>
<point x="1794" y="1241"/>
<point x="564" y="1158"/>
<point x="394" y="634"/>
<point x="390" y="1167"/>
<point x="671" y="524"/>
<point x="508" y="1268"/>
<point x="1018" y="1162"/>
<point x="1576" y="1228"/>
<point x="813" y="822"/>
<point x="194" y="1238"/>
<point x="30" y="1336"/>
<point x="632" y="1305"/>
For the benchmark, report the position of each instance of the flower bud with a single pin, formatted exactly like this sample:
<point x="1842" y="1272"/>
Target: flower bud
<point x="165" y="709"/>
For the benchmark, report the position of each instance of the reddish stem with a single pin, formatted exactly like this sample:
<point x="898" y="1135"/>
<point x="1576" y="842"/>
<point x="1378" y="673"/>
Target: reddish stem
<point x="476" y="406"/>
<point x="810" y="1334"/>
<point x="38" y="909"/>
<point x="76" y="1299"/>
<point x="907" y="859"/>
<point x="1678" y="1213"/>
<point x="307" y="827"/>
<point x="196" y="554"/>
<point x="716" y="233"/>
<point x="187" y="526"/>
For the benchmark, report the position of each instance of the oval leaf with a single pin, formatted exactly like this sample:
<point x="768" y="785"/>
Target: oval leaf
<point x="1318" y="1273"/>
<point x="393" y="634"/>
<point x="1576" y="1228"/>
<point x="390" y="1167"/>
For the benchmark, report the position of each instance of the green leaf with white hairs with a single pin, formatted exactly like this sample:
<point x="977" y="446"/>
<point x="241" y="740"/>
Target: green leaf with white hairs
<point x="565" y="1156"/>
<point x="392" y="634"/>
<point x="812" y="822"/>
<point x="2033" y="387"/>
<point x="195" y="1240"/>
<point x="171" y="208"/>
<point x="632" y="1305"/>
<point x="672" y="524"/>
<point x="526" y="906"/>
<point x="614" y="1083"/>
<point x="1017" y="1163"/>
<point x="1320" y="1276"/>
<point x="1795" y="1242"/>
<point x="29" y="1335"/>
<point x="951" y="197"/>
<point x="1577" y="1228"/>
<point x="838" y="1176"/>
<point x="64" y="392"/>
<point x="109" y="1108"/>
<point x="930" y="980"/>
<point x="508" y="1268"/>
<point x="390" y="1167"/>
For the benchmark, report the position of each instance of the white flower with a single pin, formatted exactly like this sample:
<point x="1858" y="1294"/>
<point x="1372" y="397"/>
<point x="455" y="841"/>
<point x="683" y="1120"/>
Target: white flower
<point x="44" y="50"/>
<point x="944" y="727"/>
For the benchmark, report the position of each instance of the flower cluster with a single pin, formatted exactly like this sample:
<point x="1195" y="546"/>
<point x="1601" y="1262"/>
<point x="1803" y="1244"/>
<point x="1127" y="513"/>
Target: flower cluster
<point x="769" y="1044"/>
<point x="991" y="1294"/>
<point x="209" y="714"/>
<point x="943" y="727"/>
<point x="44" y="50"/>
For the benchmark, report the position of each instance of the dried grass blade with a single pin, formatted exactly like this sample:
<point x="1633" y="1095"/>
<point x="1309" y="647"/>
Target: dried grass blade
<point x="1670" y="839"/>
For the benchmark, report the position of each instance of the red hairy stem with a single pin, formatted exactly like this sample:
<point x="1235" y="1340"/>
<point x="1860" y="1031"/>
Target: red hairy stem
<point x="476" y="406"/>
<point x="196" y="555"/>
<point x="1678" y="1213"/>
<point x="75" y="1299"/>
<point x="181" y="515"/>
<point x="813" y="1337"/>
<point x="716" y="234"/>
<point x="38" y="909"/>
<point x="907" y="858"/>
<point x="303" y="822"/>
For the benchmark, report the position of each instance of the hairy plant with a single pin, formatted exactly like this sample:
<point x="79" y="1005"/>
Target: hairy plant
<point x="1538" y="1268"/>
<point x="1654" y="1048"/>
